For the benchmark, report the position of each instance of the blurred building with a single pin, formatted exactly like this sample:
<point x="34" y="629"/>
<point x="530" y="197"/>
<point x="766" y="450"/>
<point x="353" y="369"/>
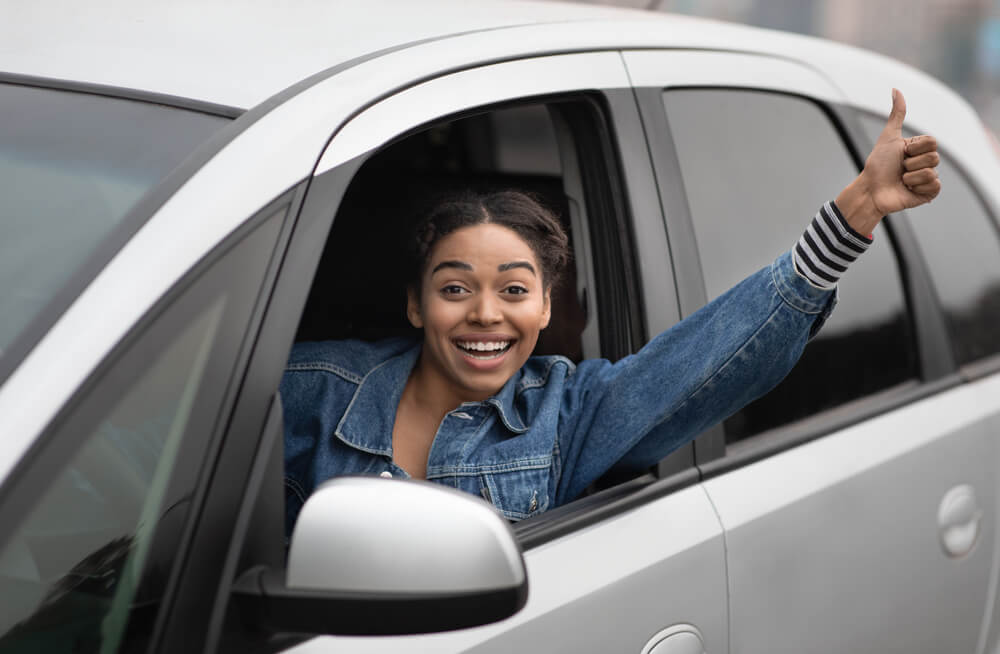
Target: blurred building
<point x="957" y="41"/>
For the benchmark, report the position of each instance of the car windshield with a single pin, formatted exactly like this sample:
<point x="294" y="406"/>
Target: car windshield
<point x="72" y="165"/>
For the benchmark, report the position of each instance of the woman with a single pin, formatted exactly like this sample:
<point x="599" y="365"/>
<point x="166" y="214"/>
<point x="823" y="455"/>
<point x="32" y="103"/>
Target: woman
<point x="467" y="406"/>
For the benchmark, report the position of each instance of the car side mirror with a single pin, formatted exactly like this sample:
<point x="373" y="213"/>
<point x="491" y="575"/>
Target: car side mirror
<point x="372" y="556"/>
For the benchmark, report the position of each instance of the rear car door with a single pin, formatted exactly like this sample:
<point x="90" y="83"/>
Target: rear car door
<point x="958" y="236"/>
<point x="858" y="497"/>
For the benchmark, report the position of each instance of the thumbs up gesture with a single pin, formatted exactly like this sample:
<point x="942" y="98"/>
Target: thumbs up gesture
<point x="899" y="174"/>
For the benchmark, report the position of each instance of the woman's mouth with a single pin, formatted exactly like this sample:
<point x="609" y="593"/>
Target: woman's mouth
<point x="484" y="350"/>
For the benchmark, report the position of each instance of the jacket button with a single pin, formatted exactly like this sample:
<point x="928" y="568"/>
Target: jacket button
<point x="385" y="474"/>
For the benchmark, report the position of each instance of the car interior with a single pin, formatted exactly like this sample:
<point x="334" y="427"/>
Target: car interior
<point x="511" y="148"/>
<point x="544" y="148"/>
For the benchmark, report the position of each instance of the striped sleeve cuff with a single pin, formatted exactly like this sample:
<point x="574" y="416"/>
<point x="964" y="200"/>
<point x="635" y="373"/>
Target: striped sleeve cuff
<point x="828" y="246"/>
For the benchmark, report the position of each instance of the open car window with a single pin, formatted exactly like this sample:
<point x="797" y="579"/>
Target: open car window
<point x="557" y="150"/>
<point x="510" y="148"/>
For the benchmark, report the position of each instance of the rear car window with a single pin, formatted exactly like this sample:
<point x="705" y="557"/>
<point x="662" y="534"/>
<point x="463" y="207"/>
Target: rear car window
<point x="960" y="243"/>
<point x="756" y="166"/>
<point x="72" y="165"/>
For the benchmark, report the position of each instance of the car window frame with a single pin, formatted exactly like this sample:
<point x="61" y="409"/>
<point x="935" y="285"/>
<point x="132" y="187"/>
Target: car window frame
<point x="623" y="155"/>
<point x="649" y="242"/>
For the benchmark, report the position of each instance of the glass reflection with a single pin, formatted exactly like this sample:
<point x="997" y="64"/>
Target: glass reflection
<point x="960" y="243"/>
<point x="756" y="166"/>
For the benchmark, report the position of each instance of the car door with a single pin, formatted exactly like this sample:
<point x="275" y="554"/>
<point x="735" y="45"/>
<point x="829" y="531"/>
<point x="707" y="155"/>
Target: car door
<point x="621" y="570"/>
<point x="858" y="498"/>
<point x="958" y="237"/>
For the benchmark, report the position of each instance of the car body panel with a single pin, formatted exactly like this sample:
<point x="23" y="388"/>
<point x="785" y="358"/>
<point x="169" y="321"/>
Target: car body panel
<point x="838" y="540"/>
<point x="680" y="68"/>
<point x="640" y="572"/>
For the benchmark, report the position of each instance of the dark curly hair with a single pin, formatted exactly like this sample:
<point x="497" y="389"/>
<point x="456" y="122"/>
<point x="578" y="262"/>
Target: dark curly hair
<point x="515" y="210"/>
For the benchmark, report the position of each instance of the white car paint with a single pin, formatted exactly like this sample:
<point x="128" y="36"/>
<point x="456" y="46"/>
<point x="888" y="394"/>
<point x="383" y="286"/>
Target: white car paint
<point x="470" y="88"/>
<point x="678" y="533"/>
<point x="854" y="515"/>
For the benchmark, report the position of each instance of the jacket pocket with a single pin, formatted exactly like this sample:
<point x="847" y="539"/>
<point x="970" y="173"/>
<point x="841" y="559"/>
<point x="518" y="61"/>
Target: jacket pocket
<point x="518" y="493"/>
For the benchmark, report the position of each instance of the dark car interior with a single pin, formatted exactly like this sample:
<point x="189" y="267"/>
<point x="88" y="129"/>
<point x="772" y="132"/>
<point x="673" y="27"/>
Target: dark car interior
<point x="359" y="289"/>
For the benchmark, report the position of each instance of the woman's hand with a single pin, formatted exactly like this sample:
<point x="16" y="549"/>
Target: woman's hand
<point x="899" y="174"/>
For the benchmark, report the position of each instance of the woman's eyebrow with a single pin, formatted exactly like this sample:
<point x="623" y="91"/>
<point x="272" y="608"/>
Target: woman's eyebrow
<point x="461" y="265"/>
<point x="503" y="267"/>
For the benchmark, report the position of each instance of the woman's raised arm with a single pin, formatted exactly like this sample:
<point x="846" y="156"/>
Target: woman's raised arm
<point x="740" y="345"/>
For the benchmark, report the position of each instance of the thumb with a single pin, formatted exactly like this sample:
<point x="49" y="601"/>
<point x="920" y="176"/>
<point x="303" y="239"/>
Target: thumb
<point x="894" y="126"/>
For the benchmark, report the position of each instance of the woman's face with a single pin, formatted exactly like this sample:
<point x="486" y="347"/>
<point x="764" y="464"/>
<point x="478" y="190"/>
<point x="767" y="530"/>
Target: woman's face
<point x="481" y="305"/>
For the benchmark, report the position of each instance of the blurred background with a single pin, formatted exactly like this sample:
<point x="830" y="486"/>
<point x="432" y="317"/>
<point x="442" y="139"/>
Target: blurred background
<point x="956" y="41"/>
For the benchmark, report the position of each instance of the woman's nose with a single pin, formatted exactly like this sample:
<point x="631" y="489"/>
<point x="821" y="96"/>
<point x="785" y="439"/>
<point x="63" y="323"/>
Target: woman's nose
<point x="485" y="311"/>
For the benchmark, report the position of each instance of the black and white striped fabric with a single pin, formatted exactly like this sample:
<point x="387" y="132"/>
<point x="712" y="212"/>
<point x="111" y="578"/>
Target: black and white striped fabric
<point x="828" y="246"/>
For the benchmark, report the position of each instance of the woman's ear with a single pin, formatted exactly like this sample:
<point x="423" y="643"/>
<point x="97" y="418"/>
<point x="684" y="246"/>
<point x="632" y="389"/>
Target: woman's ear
<point x="413" y="307"/>
<point x="547" y="310"/>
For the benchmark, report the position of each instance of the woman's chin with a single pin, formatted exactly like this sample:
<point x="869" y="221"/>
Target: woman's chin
<point x="486" y="376"/>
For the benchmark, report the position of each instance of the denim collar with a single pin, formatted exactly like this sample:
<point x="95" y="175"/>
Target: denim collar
<point x="368" y="421"/>
<point x="503" y="402"/>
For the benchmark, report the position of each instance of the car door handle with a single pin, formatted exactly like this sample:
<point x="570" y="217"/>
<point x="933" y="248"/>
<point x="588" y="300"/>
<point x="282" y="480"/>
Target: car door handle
<point x="678" y="639"/>
<point x="959" y="517"/>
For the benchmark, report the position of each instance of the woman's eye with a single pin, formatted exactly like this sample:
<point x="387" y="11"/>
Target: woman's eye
<point x="516" y="290"/>
<point x="452" y="289"/>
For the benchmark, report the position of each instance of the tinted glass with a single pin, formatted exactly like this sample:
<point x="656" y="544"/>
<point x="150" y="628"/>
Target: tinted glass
<point x="82" y="548"/>
<point x="71" y="166"/>
<point x="94" y="525"/>
<point x="959" y="241"/>
<point x="756" y="167"/>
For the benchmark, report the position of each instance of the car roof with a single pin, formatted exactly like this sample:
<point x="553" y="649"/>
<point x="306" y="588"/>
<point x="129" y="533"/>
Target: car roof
<point x="238" y="54"/>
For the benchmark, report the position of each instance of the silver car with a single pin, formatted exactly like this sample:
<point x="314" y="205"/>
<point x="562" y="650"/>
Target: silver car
<point x="187" y="189"/>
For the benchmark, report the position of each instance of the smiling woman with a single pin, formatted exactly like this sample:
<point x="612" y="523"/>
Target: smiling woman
<point x="482" y="293"/>
<point x="466" y="405"/>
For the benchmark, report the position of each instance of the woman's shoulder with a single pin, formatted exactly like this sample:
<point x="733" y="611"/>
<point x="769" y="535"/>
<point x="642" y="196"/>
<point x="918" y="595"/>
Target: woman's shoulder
<point x="542" y="370"/>
<point x="353" y="357"/>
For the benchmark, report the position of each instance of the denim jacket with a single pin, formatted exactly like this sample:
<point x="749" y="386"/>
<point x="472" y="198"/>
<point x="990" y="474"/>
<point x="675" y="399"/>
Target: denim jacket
<point x="554" y="427"/>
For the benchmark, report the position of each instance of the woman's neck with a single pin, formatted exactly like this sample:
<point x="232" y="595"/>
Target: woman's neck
<point x="435" y="391"/>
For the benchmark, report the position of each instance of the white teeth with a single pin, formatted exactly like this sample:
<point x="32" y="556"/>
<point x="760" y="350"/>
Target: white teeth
<point x="483" y="346"/>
